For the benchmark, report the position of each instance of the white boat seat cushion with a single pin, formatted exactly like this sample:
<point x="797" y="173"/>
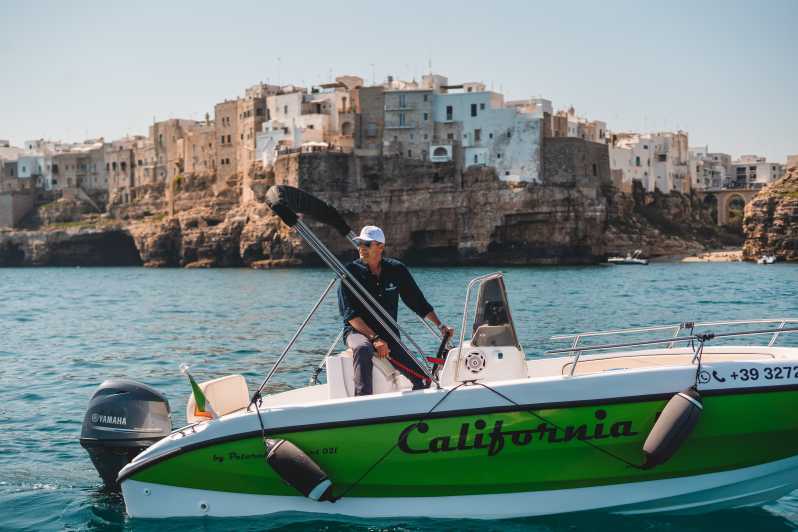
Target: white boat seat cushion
<point x="225" y="394"/>
<point x="341" y="376"/>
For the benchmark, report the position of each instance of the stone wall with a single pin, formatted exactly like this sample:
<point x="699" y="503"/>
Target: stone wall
<point x="14" y="206"/>
<point x="315" y="170"/>
<point x="569" y="161"/>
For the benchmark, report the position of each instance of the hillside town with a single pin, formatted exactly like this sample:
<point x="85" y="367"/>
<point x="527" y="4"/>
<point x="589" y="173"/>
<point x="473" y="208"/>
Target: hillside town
<point x="433" y="120"/>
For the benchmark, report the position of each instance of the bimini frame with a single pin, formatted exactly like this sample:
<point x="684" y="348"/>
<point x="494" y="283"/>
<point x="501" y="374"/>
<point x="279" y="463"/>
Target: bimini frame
<point x="286" y="202"/>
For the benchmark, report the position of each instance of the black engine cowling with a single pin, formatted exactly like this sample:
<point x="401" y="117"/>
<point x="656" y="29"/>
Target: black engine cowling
<point x="124" y="418"/>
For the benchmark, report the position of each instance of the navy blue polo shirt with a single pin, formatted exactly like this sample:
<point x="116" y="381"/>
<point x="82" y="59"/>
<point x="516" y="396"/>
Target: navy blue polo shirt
<point x="394" y="282"/>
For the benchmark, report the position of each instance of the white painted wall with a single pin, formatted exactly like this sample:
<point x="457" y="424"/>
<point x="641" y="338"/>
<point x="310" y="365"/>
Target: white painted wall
<point x="494" y="135"/>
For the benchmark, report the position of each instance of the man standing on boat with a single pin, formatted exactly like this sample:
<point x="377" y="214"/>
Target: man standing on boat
<point x="386" y="280"/>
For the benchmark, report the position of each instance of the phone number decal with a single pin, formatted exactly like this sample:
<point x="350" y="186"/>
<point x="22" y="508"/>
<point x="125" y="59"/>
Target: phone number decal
<point x="752" y="374"/>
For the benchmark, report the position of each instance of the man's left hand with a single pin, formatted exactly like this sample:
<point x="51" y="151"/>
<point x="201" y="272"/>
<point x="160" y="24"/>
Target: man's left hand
<point x="445" y="329"/>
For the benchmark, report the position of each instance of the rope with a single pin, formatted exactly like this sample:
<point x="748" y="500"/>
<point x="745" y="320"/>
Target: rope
<point x="541" y="418"/>
<point x="395" y="445"/>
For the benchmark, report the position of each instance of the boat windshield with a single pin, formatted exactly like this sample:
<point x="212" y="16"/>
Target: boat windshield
<point x="493" y="324"/>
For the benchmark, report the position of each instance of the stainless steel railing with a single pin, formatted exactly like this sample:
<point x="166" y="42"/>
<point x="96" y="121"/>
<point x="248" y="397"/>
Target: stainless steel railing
<point x="577" y="351"/>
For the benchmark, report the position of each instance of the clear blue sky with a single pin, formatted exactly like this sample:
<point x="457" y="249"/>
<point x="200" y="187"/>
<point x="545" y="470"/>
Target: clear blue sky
<point x="725" y="71"/>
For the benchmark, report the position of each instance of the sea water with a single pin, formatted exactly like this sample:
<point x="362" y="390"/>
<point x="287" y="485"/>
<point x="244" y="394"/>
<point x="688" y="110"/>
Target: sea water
<point x="63" y="331"/>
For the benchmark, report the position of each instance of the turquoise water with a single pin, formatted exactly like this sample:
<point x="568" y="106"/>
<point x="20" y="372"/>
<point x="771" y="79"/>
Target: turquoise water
<point x="63" y="331"/>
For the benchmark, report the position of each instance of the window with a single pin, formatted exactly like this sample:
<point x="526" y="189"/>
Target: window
<point x="426" y="137"/>
<point x="482" y="107"/>
<point x="424" y="154"/>
<point x="409" y="153"/>
<point x="498" y="155"/>
<point x="402" y="118"/>
<point x="426" y="117"/>
<point x="595" y="170"/>
<point x="113" y="166"/>
<point x="411" y="136"/>
<point x="662" y="157"/>
<point x="449" y="112"/>
<point x="229" y="139"/>
<point x="222" y="141"/>
<point x="490" y="135"/>
<point x="310" y="126"/>
<point x="473" y="109"/>
<point x="637" y="161"/>
<point x="402" y="101"/>
<point x="477" y="136"/>
<point x="371" y="129"/>
<point x="426" y="97"/>
<point x="476" y="160"/>
<point x="450" y="136"/>
<point x="285" y="109"/>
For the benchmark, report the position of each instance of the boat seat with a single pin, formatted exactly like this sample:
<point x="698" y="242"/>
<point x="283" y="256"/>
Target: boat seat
<point x="341" y="376"/>
<point x="225" y="394"/>
<point x="493" y="336"/>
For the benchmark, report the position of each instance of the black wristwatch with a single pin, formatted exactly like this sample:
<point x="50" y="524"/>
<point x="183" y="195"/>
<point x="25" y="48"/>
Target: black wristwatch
<point x="373" y="338"/>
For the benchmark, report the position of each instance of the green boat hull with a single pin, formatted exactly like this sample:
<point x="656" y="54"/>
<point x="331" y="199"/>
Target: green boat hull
<point x="499" y="452"/>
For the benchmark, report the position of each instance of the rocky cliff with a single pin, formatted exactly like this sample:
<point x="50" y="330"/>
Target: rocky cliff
<point x="431" y="215"/>
<point x="771" y="220"/>
<point x="663" y="225"/>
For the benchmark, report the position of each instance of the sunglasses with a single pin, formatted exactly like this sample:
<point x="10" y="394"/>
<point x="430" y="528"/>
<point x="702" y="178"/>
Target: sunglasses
<point x="366" y="243"/>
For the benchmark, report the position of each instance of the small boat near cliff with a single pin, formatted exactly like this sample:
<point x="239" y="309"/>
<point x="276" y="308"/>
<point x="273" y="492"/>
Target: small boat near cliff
<point x="630" y="258"/>
<point x="766" y="259"/>
<point x="666" y="423"/>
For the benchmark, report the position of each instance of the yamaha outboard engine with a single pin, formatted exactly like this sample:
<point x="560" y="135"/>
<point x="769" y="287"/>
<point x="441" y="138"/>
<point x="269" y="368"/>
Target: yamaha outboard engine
<point x="124" y="418"/>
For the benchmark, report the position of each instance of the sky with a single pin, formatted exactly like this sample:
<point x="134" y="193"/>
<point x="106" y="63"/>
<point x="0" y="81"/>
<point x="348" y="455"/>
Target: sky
<point x="724" y="71"/>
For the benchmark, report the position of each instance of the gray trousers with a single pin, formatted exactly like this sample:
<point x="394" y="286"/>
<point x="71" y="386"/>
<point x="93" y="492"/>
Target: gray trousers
<point x="363" y="355"/>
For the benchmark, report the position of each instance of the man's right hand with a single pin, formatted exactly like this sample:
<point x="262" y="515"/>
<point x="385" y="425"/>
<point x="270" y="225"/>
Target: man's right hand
<point x="381" y="348"/>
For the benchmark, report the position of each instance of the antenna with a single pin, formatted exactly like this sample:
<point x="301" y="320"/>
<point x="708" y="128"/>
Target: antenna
<point x="373" y="75"/>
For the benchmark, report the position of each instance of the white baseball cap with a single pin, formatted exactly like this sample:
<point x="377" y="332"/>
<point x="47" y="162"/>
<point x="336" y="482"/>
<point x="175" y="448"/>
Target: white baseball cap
<point x="370" y="233"/>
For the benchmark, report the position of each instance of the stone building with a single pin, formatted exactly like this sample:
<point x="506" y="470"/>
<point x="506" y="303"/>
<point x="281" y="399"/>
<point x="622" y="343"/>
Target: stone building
<point x="568" y="124"/>
<point x="83" y="166"/>
<point x="408" y="123"/>
<point x="252" y="113"/>
<point x="168" y="137"/>
<point x="371" y="123"/>
<point x="147" y="167"/>
<point x="120" y="165"/>
<point x="199" y="154"/>
<point x="226" y="135"/>
<point x="324" y="118"/>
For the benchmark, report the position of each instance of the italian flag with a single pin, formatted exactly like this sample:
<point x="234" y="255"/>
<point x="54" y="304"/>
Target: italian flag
<point x="203" y="407"/>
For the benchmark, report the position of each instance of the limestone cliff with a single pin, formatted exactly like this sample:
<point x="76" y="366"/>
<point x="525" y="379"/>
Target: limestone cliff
<point x="771" y="220"/>
<point x="432" y="214"/>
<point x="663" y="225"/>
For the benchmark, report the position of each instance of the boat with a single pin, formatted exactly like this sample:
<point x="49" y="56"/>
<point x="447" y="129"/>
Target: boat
<point x="766" y="259"/>
<point x="630" y="258"/>
<point x="670" y="419"/>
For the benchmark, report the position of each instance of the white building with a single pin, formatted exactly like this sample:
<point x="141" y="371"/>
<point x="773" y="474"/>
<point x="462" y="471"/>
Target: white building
<point x="752" y="171"/>
<point x="708" y="170"/>
<point x="660" y="161"/>
<point x="490" y="133"/>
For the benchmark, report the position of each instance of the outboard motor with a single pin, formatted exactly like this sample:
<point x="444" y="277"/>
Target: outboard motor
<point x="124" y="418"/>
